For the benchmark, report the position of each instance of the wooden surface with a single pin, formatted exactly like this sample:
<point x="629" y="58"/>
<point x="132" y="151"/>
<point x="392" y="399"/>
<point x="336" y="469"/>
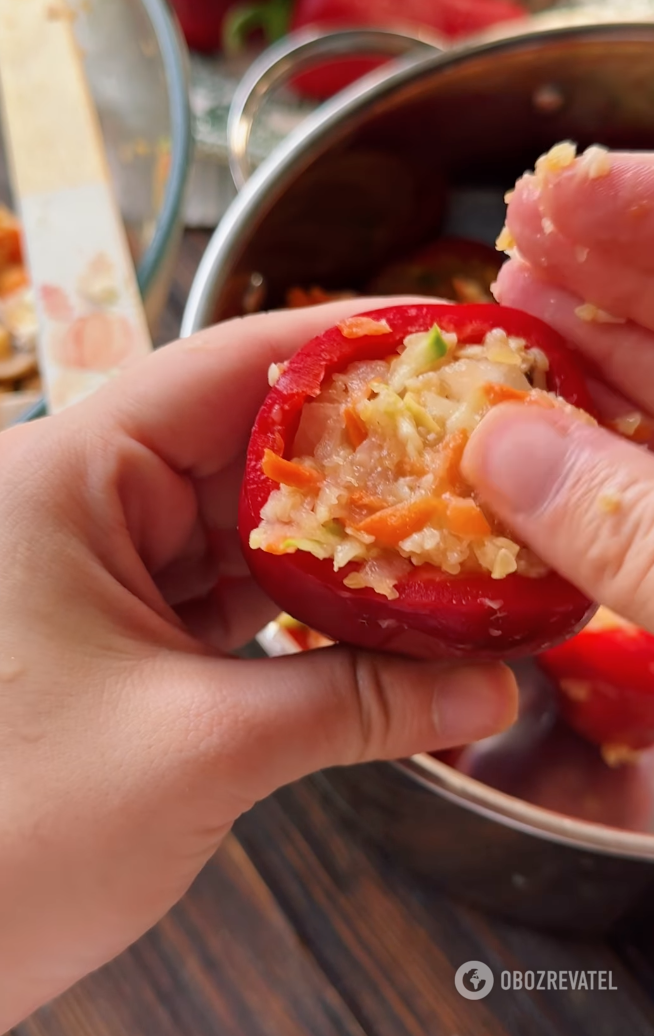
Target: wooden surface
<point x="297" y="928"/>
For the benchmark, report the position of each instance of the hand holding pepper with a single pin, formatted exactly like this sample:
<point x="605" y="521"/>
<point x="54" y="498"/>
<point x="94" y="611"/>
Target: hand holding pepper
<point x="130" y="738"/>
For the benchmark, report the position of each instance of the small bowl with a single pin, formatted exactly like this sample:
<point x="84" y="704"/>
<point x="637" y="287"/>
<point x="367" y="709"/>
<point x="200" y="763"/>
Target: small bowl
<point x="136" y="63"/>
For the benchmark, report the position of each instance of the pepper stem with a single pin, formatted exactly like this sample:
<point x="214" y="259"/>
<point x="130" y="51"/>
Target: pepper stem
<point x="271" y="17"/>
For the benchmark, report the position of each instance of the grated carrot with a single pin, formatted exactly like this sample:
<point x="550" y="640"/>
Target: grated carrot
<point x="450" y="455"/>
<point x="278" y="549"/>
<point x="355" y="427"/>
<point x="465" y="518"/>
<point x="365" y="502"/>
<point x="360" y="327"/>
<point x="503" y="394"/>
<point x="394" y="524"/>
<point x="496" y="394"/>
<point x="288" y="473"/>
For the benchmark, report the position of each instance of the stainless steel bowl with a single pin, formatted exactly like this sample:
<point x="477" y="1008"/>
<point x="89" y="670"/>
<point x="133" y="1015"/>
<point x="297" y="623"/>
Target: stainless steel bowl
<point x="533" y="824"/>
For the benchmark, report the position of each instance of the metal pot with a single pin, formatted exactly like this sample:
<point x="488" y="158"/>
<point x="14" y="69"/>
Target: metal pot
<point x="532" y="825"/>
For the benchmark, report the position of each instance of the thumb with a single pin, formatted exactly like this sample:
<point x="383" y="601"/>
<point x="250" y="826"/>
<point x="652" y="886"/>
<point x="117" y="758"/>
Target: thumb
<point x="277" y="720"/>
<point x="579" y="496"/>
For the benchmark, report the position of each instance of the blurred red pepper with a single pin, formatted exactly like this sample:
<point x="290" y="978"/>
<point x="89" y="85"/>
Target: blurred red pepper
<point x="451" y="18"/>
<point x="447" y="19"/>
<point x="202" y="21"/>
<point x="435" y="614"/>
<point x="605" y="678"/>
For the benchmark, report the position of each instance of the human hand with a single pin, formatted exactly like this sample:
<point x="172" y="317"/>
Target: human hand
<point x="580" y="496"/>
<point x="129" y="738"/>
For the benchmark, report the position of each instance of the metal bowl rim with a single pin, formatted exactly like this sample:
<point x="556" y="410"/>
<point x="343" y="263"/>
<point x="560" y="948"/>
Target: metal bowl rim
<point x="283" y="163"/>
<point x="537" y="821"/>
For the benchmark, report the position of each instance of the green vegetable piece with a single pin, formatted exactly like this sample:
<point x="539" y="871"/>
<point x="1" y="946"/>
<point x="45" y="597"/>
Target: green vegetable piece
<point x="436" y="344"/>
<point x="334" y="528"/>
<point x="425" y="350"/>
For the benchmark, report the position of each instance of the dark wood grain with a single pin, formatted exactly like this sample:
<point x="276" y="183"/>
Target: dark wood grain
<point x="391" y="943"/>
<point x="298" y="927"/>
<point x="225" y="960"/>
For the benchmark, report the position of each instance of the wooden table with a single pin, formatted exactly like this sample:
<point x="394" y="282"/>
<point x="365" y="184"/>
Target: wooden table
<point x="297" y="928"/>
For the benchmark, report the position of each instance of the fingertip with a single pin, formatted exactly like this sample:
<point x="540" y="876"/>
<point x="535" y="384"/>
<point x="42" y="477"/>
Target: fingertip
<point x="514" y="280"/>
<point x="475" y="702"/>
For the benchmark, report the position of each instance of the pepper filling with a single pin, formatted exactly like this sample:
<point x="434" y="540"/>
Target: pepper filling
<point x="375" y="473"/>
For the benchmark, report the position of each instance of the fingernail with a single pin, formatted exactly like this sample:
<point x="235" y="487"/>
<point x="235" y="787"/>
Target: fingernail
<point x="517" y="456"/>
<point x="474" y="702"/>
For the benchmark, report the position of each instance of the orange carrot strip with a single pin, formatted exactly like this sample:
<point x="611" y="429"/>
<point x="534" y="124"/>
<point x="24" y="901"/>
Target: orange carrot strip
<point x="451" y="454"/>
<point x="359" y="327"/>
<point x="288" y="473"/>
<point x="464" y="518"/>
<point x="278" y="549"/>
<point x="394" y="524"/>
<point x="503" y="394"/>
<point x="355" y="427"/>
<point x="371" y="503"/>
<point x="408" y="468"/>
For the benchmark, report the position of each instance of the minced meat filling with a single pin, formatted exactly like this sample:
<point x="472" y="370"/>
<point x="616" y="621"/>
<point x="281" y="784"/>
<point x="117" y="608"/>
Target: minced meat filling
<point x="375" y="471"/>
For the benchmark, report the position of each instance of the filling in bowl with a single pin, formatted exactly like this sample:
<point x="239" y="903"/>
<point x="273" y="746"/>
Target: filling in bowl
<point x="374" y="476"/>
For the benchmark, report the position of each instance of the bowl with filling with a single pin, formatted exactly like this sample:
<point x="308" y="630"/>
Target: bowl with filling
<point x="355" y="516"/>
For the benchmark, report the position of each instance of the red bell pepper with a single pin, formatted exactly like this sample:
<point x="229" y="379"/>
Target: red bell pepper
<point x="202" y="22"/>
<point x="434" y="615"/>
<point x="447" y="19"/>
<point x="605" y="679"/>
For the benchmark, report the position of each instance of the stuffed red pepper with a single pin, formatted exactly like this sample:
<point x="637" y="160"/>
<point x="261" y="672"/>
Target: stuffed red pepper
<point x="355" y="517"/>
<point x="605" y="677"/>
